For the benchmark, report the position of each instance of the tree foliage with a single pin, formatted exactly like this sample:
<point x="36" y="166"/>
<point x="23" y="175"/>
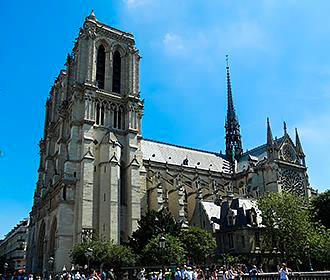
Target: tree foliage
<point x="287" y="224"/>
<point x="172" y="253"/>
<point x="104" y="253"/>
<point x="198" y="243"/>
<point x="150" y="226"/>
<point x="320" y="245"/>
<point x="289" y="228"/>
<point x="320" y="208"/>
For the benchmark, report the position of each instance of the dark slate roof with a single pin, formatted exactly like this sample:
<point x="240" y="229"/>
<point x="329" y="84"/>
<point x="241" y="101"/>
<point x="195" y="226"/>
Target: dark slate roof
<point x="260" y="151"/>
<point x="173" y="154"/>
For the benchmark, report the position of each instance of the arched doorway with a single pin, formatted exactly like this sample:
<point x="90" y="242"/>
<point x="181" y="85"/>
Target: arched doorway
<point x="52" y="238"/>
<point x="52" y="245"/>
<point x="40" y="247"/>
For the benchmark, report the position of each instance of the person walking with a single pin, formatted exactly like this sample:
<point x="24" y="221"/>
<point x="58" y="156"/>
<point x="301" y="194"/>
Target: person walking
<point x="194" y="273"/>
<point x="177" y="274"/>
<point x="214" y="275"/>
<point x="168" y="274"/>
<point x="231" y="274"/>
<point x="184" y="272"/>
<point x="284" y="272"/>
<point x="160" y="275"/>
<point x="224" y="273"/>
<point x="253" y="273"/>
<point x="189" y="274"/>
<point x="141" y="275"/>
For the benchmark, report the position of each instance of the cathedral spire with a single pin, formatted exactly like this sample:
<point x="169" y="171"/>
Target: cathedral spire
<point x="230" y="104"/>
<point x="233" y="136"/>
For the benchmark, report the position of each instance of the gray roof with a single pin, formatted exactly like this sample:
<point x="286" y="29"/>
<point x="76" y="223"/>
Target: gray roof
<point x="172" y="154"/>
<point x="240" y="207"/>
<point x="213" y="212"/>
<point x="258" y="153"/>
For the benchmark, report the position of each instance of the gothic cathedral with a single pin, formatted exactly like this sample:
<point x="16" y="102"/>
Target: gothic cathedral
<point x="98" y="175"/>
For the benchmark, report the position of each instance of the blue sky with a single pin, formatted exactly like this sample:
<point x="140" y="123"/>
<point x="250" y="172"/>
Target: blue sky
<point x="280" y="67"/>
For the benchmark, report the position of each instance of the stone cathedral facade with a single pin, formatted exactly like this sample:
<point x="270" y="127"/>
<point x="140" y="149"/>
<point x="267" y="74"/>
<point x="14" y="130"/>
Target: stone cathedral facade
<point x="97" y="173"/>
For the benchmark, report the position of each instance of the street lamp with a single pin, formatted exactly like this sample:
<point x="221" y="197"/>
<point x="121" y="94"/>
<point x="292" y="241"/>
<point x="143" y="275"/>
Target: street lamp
<point x="162" y="241"/>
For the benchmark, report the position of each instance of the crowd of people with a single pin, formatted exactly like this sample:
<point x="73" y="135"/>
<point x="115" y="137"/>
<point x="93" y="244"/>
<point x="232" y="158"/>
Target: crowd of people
<point x="65" y="275"/>
<point x="183" y="272"/>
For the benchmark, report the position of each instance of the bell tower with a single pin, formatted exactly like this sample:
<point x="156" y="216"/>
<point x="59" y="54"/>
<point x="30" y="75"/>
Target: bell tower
<point x="90" y="155"/>
<point x="108" y="112"/>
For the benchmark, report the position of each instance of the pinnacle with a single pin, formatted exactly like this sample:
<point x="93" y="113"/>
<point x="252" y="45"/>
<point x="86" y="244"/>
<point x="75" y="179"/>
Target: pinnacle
<point x="285" y="128"/>
<point x="91" y="16"/>
<point x="269" y="134"/>
<point x="298" y="143"/>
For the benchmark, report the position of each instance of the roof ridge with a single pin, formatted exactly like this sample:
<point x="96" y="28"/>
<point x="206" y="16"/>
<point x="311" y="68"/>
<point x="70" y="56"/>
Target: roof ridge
<point x="183" y="147"/>
<point x="261" y="146"/>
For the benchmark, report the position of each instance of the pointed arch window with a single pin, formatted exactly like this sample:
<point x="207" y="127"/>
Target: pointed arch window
<point x="119" y="118"/>
<point x="97" y="113"/>
<point x="116" y="72"/>
<point x="100" y="67"/>
<point x="115" y="117"/>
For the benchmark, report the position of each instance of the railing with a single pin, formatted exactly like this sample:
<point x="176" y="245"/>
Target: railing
<point x="317" y="275"/>
<point x="130" y="273"/>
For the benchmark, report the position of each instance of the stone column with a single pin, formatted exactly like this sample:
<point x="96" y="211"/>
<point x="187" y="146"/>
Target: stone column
<point x="114" y="199"/>
<point x="86" y="192"/>
<point x="133" y="199"/>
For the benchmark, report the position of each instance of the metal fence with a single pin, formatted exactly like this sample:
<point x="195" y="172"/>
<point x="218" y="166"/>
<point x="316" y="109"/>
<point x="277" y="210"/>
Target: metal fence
<point x="130" y="273"/>
<point x="317" y="275"/>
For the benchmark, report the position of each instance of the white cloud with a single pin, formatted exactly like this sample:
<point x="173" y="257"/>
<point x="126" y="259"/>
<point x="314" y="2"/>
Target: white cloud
<point x="245" y="34"/>
<point x="240" y="36"/>
<point x="136" y="3"/>
<point x="173" y="43"/>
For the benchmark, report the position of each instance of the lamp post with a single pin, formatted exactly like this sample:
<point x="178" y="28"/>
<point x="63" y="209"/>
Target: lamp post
<point x="88" y="254"/>
<point x="162" y="241"/>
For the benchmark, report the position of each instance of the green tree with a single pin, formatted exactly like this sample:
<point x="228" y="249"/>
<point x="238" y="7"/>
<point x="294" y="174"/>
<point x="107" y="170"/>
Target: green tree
<point x="172" y="253"/>
<point x="103" y="253"/>
<point x="320" y="208"/>
<point x="119" y="256"/>
<point x="287" y="226"/>
<point x="150" y="226"/>
<point x="319" y="249"/>
<point x="198" y="243"/>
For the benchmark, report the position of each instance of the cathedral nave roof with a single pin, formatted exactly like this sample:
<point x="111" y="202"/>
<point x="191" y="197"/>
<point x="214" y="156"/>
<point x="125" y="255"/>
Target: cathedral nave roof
<point x="178" y="155"/>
